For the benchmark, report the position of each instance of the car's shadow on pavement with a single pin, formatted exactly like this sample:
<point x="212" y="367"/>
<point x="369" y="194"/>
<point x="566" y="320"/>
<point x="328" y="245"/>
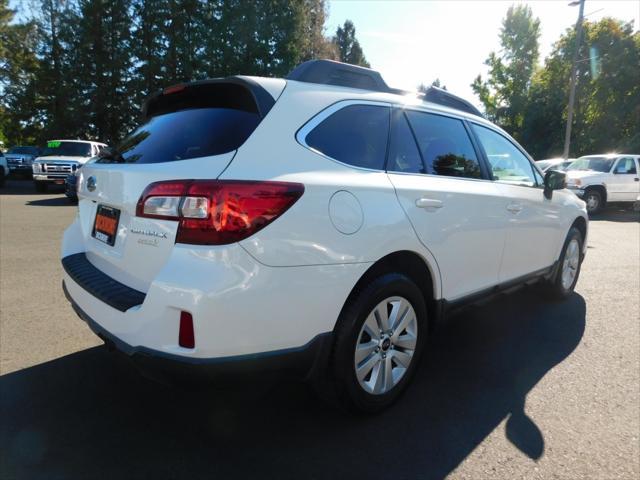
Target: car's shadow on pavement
<point x="62" y="201"/>
<point x="90" y="415"/>
<point x="15" y="186"/>
<point x="616" y="214"/>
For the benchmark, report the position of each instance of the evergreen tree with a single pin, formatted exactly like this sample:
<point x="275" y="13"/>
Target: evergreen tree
<point x="82" y="68"/>
<point x="349" y="48"/>
<point x="316" y="44"/>
<point x="57" y="25"/>
<point x="148" y="46"/>
<point x="18" y="70"/>
<point x="104" y="69"/>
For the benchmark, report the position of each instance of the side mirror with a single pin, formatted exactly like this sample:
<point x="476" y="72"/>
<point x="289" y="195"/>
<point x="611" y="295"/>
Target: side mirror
<point x="554" y="180"/>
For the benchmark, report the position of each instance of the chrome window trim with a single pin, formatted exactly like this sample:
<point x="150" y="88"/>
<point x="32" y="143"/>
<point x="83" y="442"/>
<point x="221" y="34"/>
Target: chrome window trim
<point x="301" y="134"/>
<point x="518" y="147"/>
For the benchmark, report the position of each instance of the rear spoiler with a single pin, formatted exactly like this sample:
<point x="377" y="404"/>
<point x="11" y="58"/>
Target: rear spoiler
<point x="231" y="93"/>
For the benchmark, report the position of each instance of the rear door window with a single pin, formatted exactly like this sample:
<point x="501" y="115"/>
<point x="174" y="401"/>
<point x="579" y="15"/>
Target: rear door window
<point x="403" y="152"/>
<point x="356" y="135"/>
<point x="445" y="145"/>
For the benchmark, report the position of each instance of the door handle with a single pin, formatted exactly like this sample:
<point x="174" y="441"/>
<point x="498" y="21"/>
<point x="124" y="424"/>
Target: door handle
<point x="636" y="179"/>
<point x="428" y="203"/>
<point x="514" y="207"/>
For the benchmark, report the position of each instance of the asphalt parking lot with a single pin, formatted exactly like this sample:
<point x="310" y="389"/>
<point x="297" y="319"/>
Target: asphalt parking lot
<point x="516" y="388"/>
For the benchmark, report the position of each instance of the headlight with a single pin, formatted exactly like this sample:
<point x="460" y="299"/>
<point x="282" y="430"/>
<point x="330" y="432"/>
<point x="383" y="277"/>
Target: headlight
<point x="36" y="167"/>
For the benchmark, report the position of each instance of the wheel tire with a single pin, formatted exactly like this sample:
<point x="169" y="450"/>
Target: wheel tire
<point x="594" y="201"/>
<point x="558" y="289"/>
<point x="347" y="391"/>
<point x="3" y="177"/>
<point x="41" y="187"/>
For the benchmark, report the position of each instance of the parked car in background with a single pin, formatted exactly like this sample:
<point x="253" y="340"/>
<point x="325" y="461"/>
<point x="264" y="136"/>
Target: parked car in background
<point x="322" y="228"/>
<point x="4" y="169"/>
<point x="71" y="182"/>
<point x="554" y="164"/>
<point x="61" y="158"/>
<point x="70" y="185"/>
<point x="602" y="179"/>
<point x="20" y="160"/>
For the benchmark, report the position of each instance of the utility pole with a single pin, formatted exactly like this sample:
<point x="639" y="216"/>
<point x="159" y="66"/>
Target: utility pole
<point x="572" y="87"/>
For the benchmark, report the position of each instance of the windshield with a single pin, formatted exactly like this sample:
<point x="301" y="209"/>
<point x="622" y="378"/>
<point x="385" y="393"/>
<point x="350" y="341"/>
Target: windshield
<point x="597" y="164"/>
<point x="543" y="164"/>
<point x="68" y="149"/>
<point x="192" y="133"/>
<point x="24" y="150"/>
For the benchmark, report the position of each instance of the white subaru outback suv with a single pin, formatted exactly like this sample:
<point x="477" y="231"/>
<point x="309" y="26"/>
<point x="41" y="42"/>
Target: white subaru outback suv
<point x="320" y="224"/>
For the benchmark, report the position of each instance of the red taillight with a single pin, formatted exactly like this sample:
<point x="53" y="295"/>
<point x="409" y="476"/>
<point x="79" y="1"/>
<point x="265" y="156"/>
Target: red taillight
<point x="174" y="89"/>
<point x="217" y="212"/>
<point x="186" y="337"/>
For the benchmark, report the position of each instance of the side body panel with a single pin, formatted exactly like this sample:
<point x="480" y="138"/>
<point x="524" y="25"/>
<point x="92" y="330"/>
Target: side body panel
<point x="624" y="187"/>
<point x="307" y="234"/>
<point x="465" y="233"/>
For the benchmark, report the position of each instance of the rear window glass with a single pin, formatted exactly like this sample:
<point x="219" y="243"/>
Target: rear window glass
<point x="192" y="121"/>
<point x="355" y="135"/>
<point x="184" y="134"/>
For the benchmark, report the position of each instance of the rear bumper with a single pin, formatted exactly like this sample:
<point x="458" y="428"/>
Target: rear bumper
<point x="241" y="309"/>
<point x="300" y="362"/>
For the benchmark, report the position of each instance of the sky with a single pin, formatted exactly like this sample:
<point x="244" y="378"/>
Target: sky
<point x="410" y="42"/>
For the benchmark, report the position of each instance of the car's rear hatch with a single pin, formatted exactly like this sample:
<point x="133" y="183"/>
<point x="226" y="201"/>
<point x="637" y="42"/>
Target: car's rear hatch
<point x="189" y="132"/>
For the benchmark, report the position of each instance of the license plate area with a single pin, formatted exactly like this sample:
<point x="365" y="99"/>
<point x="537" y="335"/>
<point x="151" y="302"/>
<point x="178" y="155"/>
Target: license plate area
<point x="105" y="226"/>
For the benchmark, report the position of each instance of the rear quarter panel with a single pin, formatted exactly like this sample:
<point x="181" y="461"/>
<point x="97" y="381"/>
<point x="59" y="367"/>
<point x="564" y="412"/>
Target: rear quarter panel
<point x="305" y="234"/>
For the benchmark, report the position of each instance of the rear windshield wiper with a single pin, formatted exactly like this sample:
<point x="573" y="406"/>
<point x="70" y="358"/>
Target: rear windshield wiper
<point x="110" y="153"/>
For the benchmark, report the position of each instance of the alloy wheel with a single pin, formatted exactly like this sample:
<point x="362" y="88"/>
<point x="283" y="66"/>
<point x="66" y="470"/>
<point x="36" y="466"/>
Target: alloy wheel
<point x="386" y="345"/>
<point x="570" y="264"/>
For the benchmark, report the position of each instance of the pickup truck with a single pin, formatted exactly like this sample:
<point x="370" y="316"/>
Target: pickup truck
<point x="60" y="159"/>
<point x="20" y="159"/>
<point x="602" y="179"/>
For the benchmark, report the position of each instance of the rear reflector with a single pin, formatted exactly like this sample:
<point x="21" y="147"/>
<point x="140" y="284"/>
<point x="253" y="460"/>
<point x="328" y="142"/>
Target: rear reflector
<point x="186" y="337"/>
<point x="217" y="212"/>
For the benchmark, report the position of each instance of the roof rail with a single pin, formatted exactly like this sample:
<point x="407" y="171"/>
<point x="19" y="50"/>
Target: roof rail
<point x="442" y="97"/>
<point x="330" y="72"/>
